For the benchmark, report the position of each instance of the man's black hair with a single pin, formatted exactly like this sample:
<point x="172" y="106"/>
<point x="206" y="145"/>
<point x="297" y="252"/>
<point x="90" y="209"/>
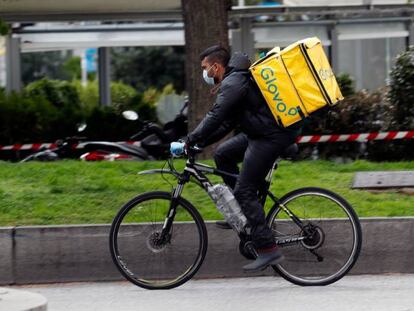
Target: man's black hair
<point x="216" y="54"/>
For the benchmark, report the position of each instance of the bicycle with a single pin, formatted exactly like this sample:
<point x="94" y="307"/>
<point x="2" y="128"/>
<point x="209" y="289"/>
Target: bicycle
<point x="319" y="232"/>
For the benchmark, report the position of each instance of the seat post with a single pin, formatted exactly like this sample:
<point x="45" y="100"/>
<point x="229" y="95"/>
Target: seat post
<point x="262" y="194"/>
<point x="270" y="174"/>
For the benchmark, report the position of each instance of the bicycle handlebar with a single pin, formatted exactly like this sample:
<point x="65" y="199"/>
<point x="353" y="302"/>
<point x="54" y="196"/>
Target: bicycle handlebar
<point x="189" y="151"/>
<point x="148" y="129"/>
<point x="195" y="149"/>
<point x="192" y="151"/>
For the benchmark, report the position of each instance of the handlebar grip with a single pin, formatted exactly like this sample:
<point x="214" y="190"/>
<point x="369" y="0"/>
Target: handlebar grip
<point x="133" y="137"/>
<point x="141" y="134"/>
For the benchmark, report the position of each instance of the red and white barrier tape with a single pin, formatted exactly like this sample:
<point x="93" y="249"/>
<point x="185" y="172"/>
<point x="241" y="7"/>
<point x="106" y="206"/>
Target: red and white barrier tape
<point x="312" y="139"/>
<point x="34" y="147"/>
<point x="362" y="137"/>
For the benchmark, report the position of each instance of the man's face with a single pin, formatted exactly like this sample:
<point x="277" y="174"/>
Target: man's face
<point x="209" y="67"/>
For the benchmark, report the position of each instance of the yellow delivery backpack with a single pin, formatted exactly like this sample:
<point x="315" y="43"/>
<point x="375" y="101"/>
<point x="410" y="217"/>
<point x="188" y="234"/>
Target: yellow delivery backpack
<point x="296" y="81"/>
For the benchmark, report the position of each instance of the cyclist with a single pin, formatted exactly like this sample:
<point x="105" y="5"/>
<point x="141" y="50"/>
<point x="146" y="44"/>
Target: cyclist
<point x="239" y="103"/>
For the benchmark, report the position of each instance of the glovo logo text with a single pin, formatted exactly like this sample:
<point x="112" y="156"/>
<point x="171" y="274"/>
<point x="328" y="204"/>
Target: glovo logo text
<point x="268" y="75"/>
<point x="326" y="74"/>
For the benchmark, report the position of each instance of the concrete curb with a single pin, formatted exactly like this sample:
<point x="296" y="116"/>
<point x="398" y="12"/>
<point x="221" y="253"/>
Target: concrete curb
<point x="43" y="254"/>
<point x="6" y="255"/>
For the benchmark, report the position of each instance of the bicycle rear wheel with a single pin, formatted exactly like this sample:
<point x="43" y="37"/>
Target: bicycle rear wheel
<point x="142" y="257"/>
<point x="330" y="243"/>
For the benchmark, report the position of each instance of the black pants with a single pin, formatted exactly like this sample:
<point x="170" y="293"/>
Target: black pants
<point x="258" y="156"/>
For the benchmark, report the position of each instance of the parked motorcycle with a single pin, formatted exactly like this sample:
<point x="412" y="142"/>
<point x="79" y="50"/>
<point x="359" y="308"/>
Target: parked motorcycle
<point x="61" y="149"/>
<point x="150" y="143"/>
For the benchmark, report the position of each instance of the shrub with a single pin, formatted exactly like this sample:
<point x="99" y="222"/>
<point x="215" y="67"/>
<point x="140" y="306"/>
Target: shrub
<point x="150" y="98"/>
<point x="25" y="118"/>
<point x="401" y="97"/>
<point x="123" y="97"/>
<point x="63" y="96"/>
<point x="72" y="67"/>
<point x="346" y="84"/>
<point x="401" y="92"/>
<point x="4" y="28"/>
<point x="88" y="94"/>
<point x="359" y="113"/>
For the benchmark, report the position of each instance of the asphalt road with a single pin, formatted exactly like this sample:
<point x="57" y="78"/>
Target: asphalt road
<point x="379" y="292"/>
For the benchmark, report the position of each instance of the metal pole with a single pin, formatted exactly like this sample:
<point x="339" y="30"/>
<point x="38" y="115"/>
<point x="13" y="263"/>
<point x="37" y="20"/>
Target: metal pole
<point x="387" y="58"/>
<point x="334" y="49"/>
<point x="410" y="39"/>
<point x="84" y="71"/>
<point x="104" y="75"/>
<point x="13" y="65"/>
<point x="247" y="37"/>
<point x="358" y="65"/>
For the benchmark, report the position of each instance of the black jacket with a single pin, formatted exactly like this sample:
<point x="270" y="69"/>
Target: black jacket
<point x="239" y="103"/>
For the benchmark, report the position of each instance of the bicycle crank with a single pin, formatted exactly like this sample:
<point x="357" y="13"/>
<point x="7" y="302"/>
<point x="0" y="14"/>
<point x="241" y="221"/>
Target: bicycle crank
<point x="247" y="250"/>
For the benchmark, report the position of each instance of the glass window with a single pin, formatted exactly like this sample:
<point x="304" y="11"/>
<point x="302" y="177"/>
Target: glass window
<point x="369" y="61"/>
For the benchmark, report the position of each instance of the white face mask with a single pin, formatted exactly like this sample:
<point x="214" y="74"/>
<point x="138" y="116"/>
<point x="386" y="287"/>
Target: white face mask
<point x="209" y="80"/>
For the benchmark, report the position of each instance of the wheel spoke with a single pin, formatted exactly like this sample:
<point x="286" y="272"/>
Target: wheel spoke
<point x="157" y="263"/>
<point x="331" y="236"/>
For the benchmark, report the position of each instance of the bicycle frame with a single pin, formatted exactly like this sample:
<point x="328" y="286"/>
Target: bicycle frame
<point x="198" y="170"/>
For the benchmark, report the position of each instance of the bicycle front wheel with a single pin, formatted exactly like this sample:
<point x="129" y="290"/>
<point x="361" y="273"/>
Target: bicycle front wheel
<point x="325" y="246"/>
<point x="138" y="251"/>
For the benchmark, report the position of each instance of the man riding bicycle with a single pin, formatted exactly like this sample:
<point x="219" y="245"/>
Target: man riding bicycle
<point x="260" y="142"/>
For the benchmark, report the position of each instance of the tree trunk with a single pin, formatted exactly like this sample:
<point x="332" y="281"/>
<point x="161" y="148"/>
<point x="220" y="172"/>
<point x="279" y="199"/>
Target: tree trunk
<point x="205" y="23"/>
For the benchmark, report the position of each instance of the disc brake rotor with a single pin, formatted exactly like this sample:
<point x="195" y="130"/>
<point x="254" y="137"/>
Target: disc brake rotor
<point x="154" y="244"/>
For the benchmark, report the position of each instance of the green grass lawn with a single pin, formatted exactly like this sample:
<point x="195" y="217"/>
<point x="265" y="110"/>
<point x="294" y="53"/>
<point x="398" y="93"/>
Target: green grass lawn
<point x="72" y="192"/>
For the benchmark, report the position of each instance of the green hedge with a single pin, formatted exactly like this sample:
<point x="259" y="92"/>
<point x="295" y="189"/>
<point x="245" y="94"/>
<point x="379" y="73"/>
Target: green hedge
<point x="24" y="118"/>
<point x="401" y="93"/>
<point x="48" y="110"/>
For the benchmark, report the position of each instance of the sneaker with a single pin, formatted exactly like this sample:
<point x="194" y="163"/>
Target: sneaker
<point x="264" y="259"/>
<point x="222" y="224"/>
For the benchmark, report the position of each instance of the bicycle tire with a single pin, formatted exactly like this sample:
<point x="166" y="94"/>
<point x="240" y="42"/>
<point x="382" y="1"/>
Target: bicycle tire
<point x="307" y="274"/>
<point x="136" y="251"/>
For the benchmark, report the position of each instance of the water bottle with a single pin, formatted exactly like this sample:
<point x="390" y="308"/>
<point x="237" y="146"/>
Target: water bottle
<point x="228" y="206"/>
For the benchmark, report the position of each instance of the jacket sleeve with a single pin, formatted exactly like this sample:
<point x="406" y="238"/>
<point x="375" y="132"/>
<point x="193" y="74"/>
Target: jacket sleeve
<point x="218" y="134"/>
<point x="224" y="110"/>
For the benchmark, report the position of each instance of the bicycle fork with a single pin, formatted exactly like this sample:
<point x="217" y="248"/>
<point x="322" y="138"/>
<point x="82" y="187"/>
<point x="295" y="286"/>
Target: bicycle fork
<point x="165" y="235"/>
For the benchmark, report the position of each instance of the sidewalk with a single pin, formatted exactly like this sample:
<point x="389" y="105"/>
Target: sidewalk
<point x="21" y="300"/>
<point x="379" y="293"/>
